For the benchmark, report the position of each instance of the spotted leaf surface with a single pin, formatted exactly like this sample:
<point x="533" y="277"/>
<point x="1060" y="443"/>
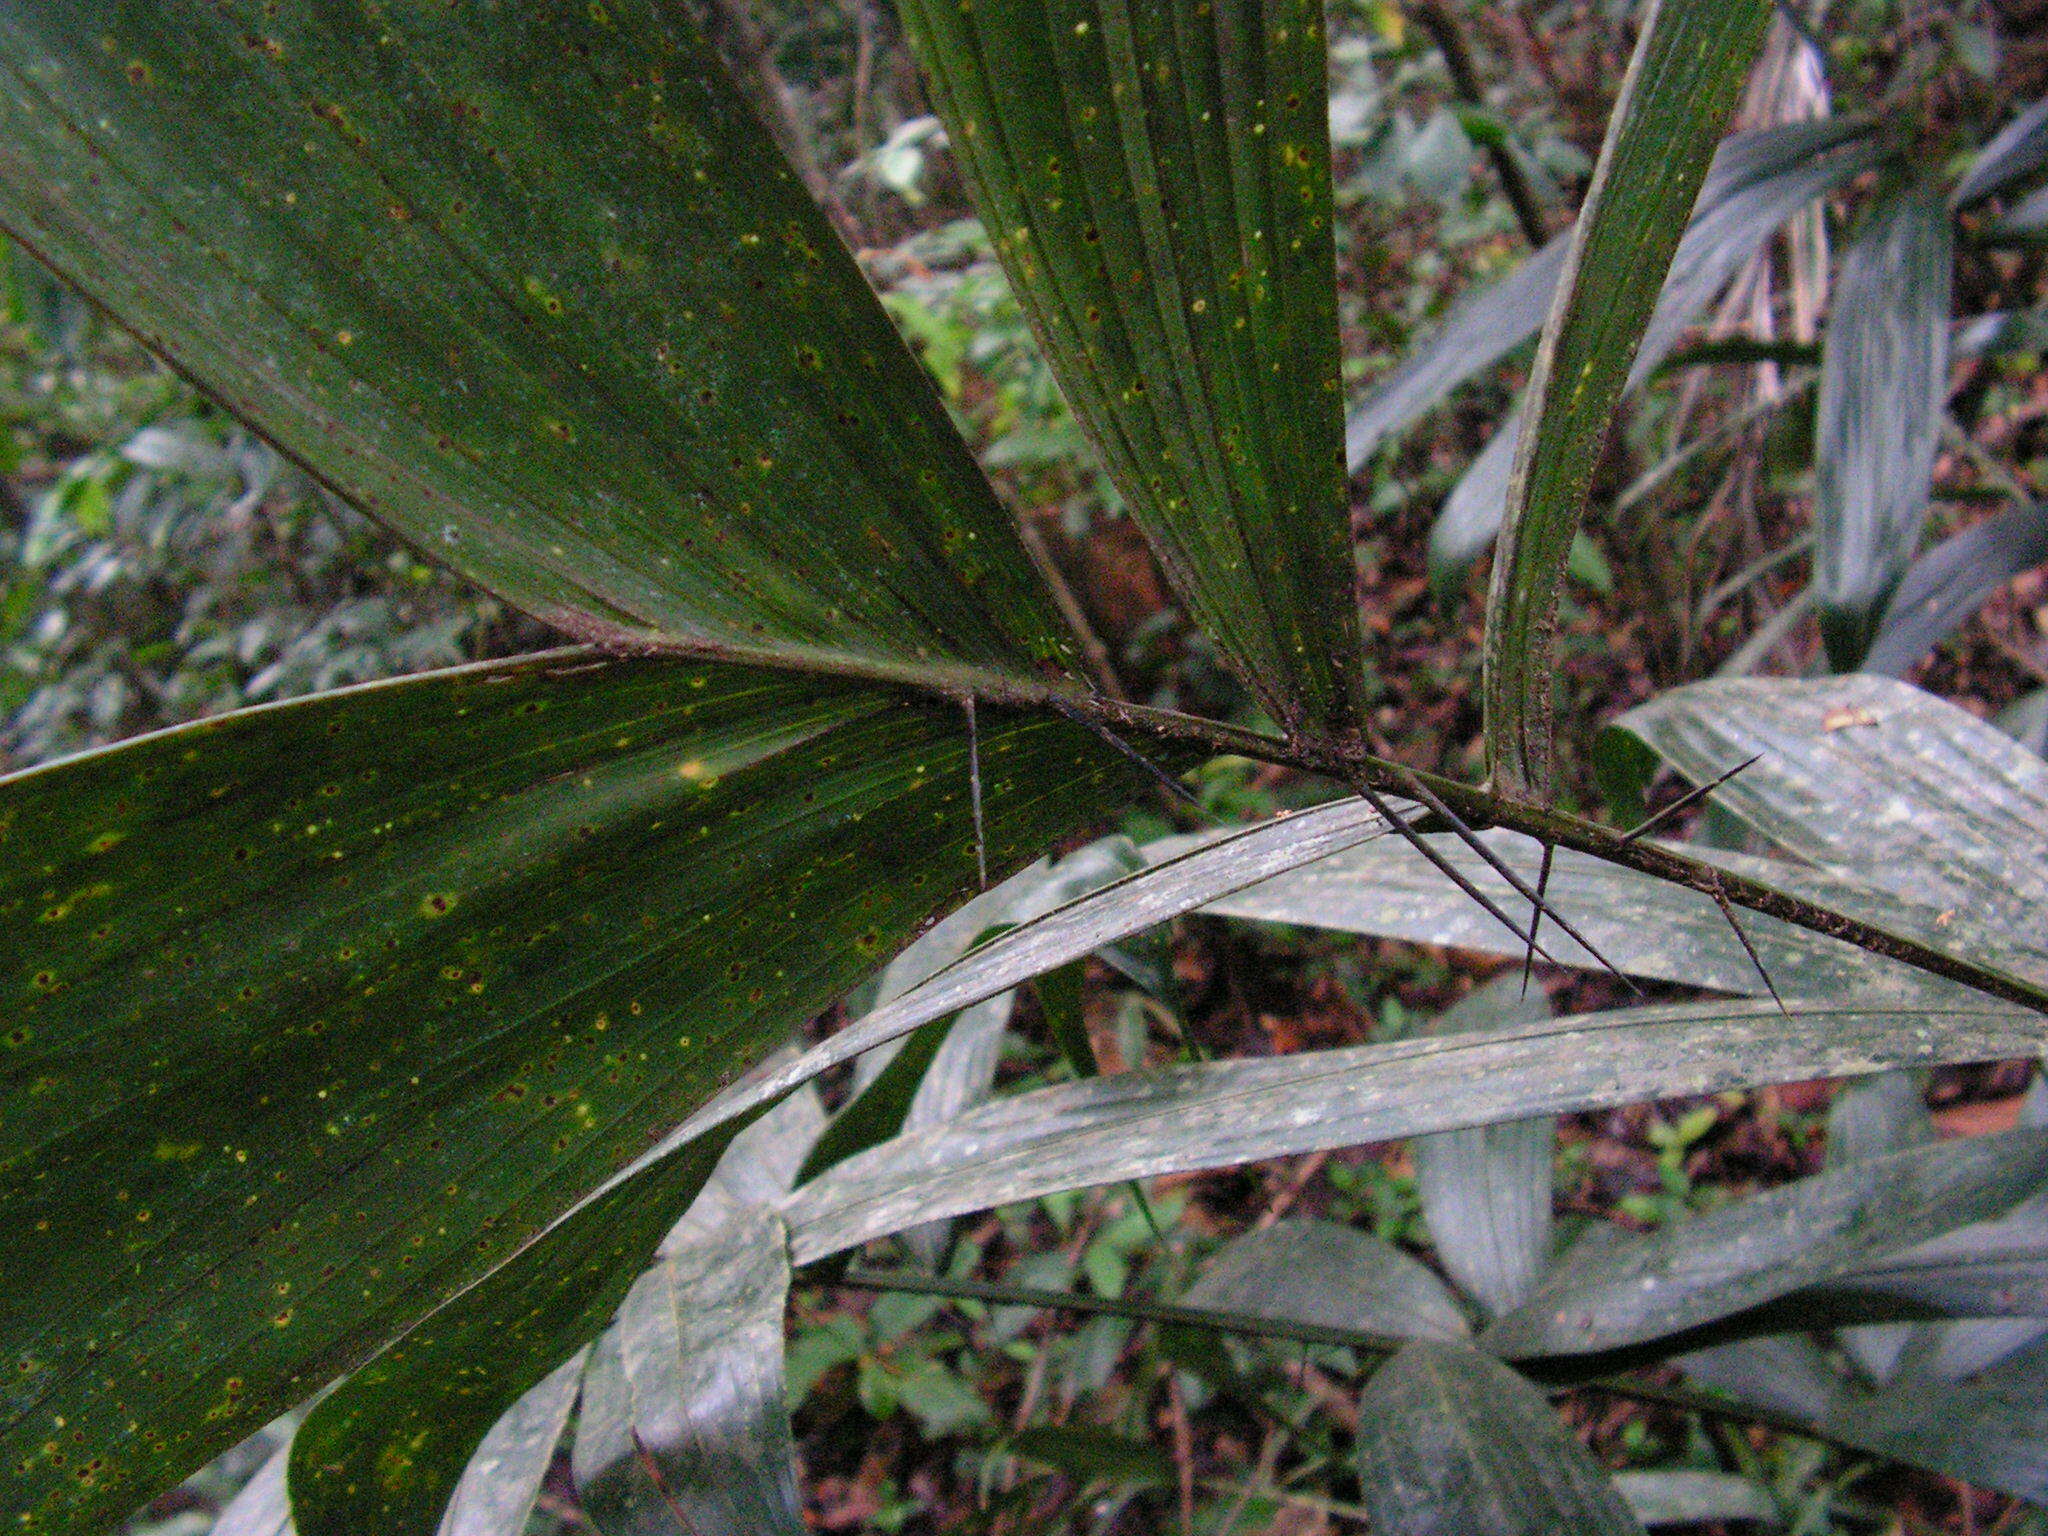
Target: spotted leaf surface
<point x="1139" y="1125"/>
<point x="315" y="1014"/>
<point x="1688" y="68"/>
<point x="1156" y="180"/>
<point x="387" y="1450"/>
<point x="531" y="284"/>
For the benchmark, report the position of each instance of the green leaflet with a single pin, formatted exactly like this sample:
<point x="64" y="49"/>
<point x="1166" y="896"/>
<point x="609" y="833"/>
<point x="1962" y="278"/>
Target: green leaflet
<point x="530" y="284"/>
<point x="1456" y="1444"/>
<point x="387" y="1450"/>
<point x="318" y="1013"/>
<point x="1883" y="383"/>
<point x="1156" y="180"/>
<point x="1688" y="68"/>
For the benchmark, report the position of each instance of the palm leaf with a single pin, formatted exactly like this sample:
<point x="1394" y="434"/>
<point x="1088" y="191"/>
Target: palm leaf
<point x="326" y="1009"/>
<point x="1688" y="68"/>
<point x="1883" y="382"/>
<point x="1644" y="926"/>
<point x="1881" y="783"/>
<point x="1156" y="180"/>
<point x="1614" y="1288"/>
<point x="1485" y="1190"/>
<point x="1328" y="1276"/>
<point x="1456" y="1444"/>
<point x="1946" y="586"/>
<point x="698" y="1432"/>
<point x="532" y="285"/>
<point x="1174" y="1119"/>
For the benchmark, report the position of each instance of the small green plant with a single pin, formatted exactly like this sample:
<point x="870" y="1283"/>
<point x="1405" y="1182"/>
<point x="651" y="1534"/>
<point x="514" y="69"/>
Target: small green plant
<point x="413" y="1055"/>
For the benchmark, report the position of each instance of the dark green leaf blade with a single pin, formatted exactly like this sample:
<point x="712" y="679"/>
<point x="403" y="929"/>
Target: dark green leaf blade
<point x="386" y="1450"/>
<point x="531" y="284"/>
<point x="1614" y="1289"/>
<point x="1688" y="68"/>
<point x="1486" y="1191"/>
<point x="321" y="1011"/>
<point x="1948" y="584"/>
<point x="1453" y="1443"/>
<point x="1883" y="381"/>
<point x="1156" y="180"/>
<point x="1331" y="1276"/>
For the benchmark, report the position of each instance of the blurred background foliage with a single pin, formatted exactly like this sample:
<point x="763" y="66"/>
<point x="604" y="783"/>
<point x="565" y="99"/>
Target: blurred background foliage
<point x="158" y="564"/>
